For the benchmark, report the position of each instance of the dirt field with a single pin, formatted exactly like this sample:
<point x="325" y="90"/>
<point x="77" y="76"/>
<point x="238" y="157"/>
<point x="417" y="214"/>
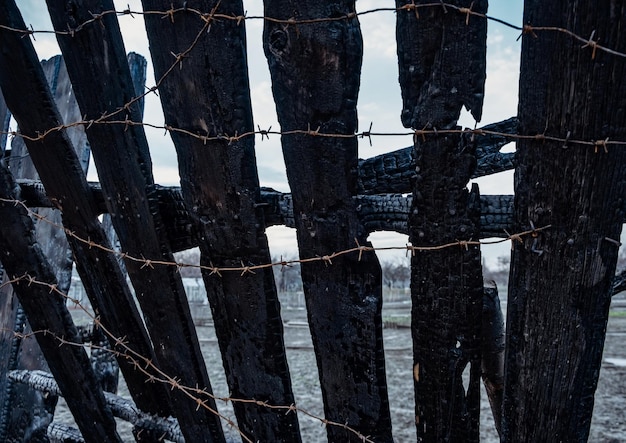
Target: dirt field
<point x="608" y="425"/>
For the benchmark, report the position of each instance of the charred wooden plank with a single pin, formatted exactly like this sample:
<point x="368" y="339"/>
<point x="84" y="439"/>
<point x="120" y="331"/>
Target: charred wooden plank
<point x="62" y="173"/>
<point x="122" y="157"/>
<point x="561" y="281"/>
<point x="46" y="312"/>
<point x="386" y="212"/>
<point x="442" y="68"/>
<point x="210" y="96"/>
<point x="446" y="292"/>
<point x="315" y="71"/>
<point x="393" y="172"/>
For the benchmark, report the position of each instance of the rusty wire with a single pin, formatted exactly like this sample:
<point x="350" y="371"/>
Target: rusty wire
<point x="213" y="15"/>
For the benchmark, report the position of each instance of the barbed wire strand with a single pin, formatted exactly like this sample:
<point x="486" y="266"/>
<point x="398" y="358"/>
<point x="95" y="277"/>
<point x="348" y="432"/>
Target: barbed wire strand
<point x="360" y="249"/>
<point x="410" y="7"/>
<point x="565" y="142"/>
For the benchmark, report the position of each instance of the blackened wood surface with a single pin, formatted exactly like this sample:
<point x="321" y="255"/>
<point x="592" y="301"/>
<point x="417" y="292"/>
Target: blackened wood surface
<point x="560" y="287"/>
<point x="315" y="80"/>
<point x="62" y="172"/>
<point x="46" y="311"/>
<point x="104" y="84"/>
<point x="5" y="117"/>
<point x="209" y="95"/>
<point x="26" y="406"/>
<point x="493" y="346"/>
<point x="442" y="68"/>
<point x="442" y="62"/>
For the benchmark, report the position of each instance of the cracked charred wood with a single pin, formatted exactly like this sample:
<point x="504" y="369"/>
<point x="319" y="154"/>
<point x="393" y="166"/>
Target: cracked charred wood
<point x="46" y="312"/>
<point x="390" y="212"/>
<point x="219" y="183"/>
<point x="387" y="212"/>
<point x="315" y="71"/>
<point x="441" y="69"/>
<point x="393" y="172"/>
<point x="62" y="173"/>
<point x="561" y="279"/>
<point x="5" y="118"/>
<point x="492" y="352"/>
<point x="124" y="168"/>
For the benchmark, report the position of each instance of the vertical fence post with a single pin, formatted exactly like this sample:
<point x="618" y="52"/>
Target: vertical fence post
<point x="561" y="280"/>
<point x="442" y="68"/>
<point x="315" y="72"/>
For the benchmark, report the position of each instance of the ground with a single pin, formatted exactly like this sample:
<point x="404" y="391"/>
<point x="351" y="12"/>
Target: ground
<point x="608" y="425"/>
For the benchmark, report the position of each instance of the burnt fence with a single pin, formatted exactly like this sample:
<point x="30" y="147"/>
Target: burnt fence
<point x="51" y="218"/>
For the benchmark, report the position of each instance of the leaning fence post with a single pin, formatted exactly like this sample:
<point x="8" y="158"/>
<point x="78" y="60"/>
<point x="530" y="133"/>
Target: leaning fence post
<point x="121" y="154"/>
<point x="208" y="94"/>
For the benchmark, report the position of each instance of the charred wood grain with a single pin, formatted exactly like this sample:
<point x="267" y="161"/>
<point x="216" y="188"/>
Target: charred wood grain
<point x="560" y="286"/>
<point x="46" y="312"/>
<point x="315" y="73"/>
<point x="393" y="172"/>
<point x="5" y="118"/>
<point x="122" y="157"/>
<point x="219" y="183"/>
<point x="62" y="433"/>
<point x="61" y="171"/>
<point x="442" y="63"/>
<point x="492" y="352"/>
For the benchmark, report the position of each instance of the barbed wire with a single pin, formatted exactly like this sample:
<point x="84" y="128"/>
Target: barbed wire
<point x="565" y="142"/>
<point x="213" y="15"/>
<point x="250" y="269"/>
<point x="156" y="375"/>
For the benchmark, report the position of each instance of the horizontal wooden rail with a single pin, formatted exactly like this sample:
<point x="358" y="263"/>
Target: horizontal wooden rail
<point x="384" y="212"/>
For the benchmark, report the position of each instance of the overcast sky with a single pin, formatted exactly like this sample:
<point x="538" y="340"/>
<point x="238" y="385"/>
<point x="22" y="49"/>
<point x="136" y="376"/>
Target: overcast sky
<point x="379" y="101"/>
